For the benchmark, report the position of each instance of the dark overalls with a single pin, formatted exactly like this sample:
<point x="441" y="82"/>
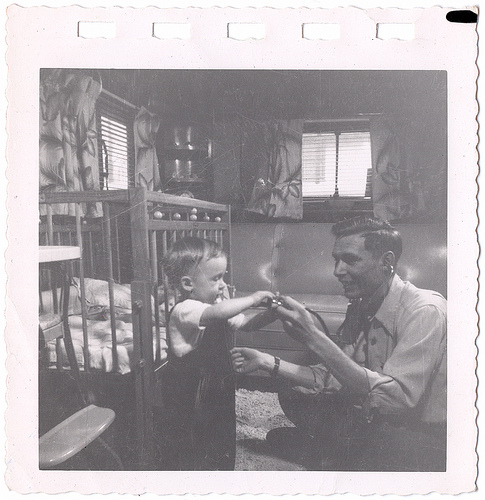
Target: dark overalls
<point x="199" y="405"/>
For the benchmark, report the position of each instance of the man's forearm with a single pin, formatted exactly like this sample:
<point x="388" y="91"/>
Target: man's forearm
<point x="344" y="369"/>
<point x="295" y="374"/>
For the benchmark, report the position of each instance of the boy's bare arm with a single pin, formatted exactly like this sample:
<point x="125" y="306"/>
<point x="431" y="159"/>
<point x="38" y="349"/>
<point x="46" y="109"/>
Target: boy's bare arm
<point x="258" y="320"/>
<point x="231" y="307"/>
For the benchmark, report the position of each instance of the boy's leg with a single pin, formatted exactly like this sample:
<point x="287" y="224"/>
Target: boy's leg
<point x="216" y="424"/>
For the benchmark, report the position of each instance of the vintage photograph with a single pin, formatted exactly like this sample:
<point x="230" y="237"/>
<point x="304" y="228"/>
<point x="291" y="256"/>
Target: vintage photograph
<point x="242" y="270"/>
<point x="241" y="263"/>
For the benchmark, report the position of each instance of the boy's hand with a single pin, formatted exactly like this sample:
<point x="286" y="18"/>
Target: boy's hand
<point x="246" y="360"/>
<point x="261" y="296"/>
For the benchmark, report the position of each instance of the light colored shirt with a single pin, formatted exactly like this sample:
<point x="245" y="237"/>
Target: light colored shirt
<point x="185" y="330"/>
<point x="406" y="365"/>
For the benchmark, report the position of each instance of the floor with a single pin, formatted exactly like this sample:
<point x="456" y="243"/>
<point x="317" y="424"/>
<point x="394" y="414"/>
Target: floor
<point x="256" y="413"/>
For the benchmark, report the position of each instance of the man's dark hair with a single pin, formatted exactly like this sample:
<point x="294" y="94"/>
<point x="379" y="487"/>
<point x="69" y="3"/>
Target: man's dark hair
<point x="379" y="236"/>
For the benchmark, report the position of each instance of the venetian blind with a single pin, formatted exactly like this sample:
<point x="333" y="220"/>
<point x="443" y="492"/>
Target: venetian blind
<point x="336" y="164"/>
<point x="116" y="144"/>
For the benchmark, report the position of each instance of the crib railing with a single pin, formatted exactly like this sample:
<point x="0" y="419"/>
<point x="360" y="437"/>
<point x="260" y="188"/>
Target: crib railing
<point x="126" y="243"/>
<point x="173" y="217"/>
<point x="152" y="221"/>
<point x="95" y="238"/>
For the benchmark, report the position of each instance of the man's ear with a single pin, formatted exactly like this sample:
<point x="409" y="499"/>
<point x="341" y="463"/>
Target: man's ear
<point x="186" y="283"/>
<point x="388" y="261"/>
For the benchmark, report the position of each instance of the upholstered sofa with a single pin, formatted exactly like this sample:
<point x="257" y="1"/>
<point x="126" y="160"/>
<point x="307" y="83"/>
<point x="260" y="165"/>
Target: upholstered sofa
<point x="296" y="259"/>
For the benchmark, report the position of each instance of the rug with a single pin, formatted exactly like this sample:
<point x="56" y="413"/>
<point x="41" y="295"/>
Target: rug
<point x="256" y="413"/>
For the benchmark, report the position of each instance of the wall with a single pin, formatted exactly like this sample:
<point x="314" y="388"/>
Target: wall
<point x="218" y="99"/>
<point x="414" y="101"/>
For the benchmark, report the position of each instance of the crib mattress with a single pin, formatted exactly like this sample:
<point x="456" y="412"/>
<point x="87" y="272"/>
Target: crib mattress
<point x="100" y="345"/>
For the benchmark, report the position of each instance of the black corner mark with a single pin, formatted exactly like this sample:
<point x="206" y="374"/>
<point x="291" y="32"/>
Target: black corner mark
<point x="461" y="16"/>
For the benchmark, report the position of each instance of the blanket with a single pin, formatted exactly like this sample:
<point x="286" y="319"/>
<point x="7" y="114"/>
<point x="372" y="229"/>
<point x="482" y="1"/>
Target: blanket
<point x="100" y="345"/>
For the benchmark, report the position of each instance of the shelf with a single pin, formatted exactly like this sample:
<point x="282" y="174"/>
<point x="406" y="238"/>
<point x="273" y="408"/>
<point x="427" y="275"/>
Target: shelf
<point x="58" y="253"/>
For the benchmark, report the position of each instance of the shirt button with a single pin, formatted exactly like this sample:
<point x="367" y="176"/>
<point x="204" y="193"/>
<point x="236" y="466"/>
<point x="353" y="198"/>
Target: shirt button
<point x="373" y="341"/>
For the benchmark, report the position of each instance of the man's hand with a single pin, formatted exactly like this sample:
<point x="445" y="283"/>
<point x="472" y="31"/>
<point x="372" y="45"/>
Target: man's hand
<point x="297" y="321"/>
<point x="246" y="360"/>
<point x="261" y="296"/>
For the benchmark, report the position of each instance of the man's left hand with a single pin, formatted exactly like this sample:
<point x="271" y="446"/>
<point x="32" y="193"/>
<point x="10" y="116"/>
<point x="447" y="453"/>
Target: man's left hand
<point x="297" y="321"/>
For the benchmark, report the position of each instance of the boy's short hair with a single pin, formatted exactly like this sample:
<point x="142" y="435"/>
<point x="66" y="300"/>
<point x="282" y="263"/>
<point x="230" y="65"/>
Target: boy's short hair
<point x="379" y="236"/>
<point x="186" y="253"/>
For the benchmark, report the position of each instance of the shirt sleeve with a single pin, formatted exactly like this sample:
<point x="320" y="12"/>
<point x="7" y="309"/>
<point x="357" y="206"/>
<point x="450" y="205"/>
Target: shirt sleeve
<point x="323" y="381"/>
<point x="185" y="330"/>
<point x="407" y="373"/>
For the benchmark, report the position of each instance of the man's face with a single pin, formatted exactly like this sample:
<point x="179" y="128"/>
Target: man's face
<point x="355" y="267"/>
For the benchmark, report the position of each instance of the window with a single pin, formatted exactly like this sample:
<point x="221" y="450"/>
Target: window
<point x="336" y="160"/>
<point x="116" y="144"/>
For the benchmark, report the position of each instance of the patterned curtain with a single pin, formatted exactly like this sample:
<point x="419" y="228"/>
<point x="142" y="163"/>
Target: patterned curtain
<point x="147" y="172"/>
<point x="68" y="138"/>
<point x="409" y="171"/>
<point x="390" y="189"/>
<point x="274" y="149"/>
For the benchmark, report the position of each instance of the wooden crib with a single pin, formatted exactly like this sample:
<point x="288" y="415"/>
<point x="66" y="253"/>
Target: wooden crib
<point x="122" y="250"/>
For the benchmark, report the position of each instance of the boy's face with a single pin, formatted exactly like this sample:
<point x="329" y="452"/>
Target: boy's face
<point x="207" y="280"/>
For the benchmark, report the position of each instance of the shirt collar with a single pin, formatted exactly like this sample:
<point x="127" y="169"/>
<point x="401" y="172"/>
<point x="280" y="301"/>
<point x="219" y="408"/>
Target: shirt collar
<point x="386" y="314"/>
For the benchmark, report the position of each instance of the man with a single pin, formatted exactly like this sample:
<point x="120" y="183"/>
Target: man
<point x="377" y="400"/>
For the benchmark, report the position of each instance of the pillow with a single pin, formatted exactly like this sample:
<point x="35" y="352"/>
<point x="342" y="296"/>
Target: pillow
<point x="97" y="299"/>
<point x="47" y="303"/>
<point x="97" y="295"/>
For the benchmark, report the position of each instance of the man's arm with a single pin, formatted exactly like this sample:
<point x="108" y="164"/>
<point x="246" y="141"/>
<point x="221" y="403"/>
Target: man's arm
<point x="299" y="324"/>
<point x="405" y="375"/>
<point x="415" y="360"/>
<point x="246" y="360"/>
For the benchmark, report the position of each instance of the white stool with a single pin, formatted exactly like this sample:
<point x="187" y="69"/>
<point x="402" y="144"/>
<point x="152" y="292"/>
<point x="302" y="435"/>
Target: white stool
<point x="86" y="425"/>
<point x="73" y="434"/>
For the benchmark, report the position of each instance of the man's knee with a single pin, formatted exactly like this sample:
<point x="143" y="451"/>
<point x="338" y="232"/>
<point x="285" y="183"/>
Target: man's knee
<point x="315" y="414"/>
<point x="291" y="403"/>
<point x="301" y="409"/>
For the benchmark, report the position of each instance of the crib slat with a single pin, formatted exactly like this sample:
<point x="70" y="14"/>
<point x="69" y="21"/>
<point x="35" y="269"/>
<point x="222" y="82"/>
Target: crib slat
<point x="90" y="254"/>
<point x="109" y="264"/>
<point x="117" y="250"/>
<point x="84" y="314"/>
<point x="229" y="248"/>
<point x="166" y="287"/>
<point x="154" y="266"/>
<point x="153" y="256"/>
<point x="50" y="241"/>
<point x="59" y="354"/>
<point x="142" y="324"/>
<point x="50" y="228"/>
<point x="143" y="357"/>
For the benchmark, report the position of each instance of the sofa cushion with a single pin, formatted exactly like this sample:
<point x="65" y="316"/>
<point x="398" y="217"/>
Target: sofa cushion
<point x="297" y="257"/>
